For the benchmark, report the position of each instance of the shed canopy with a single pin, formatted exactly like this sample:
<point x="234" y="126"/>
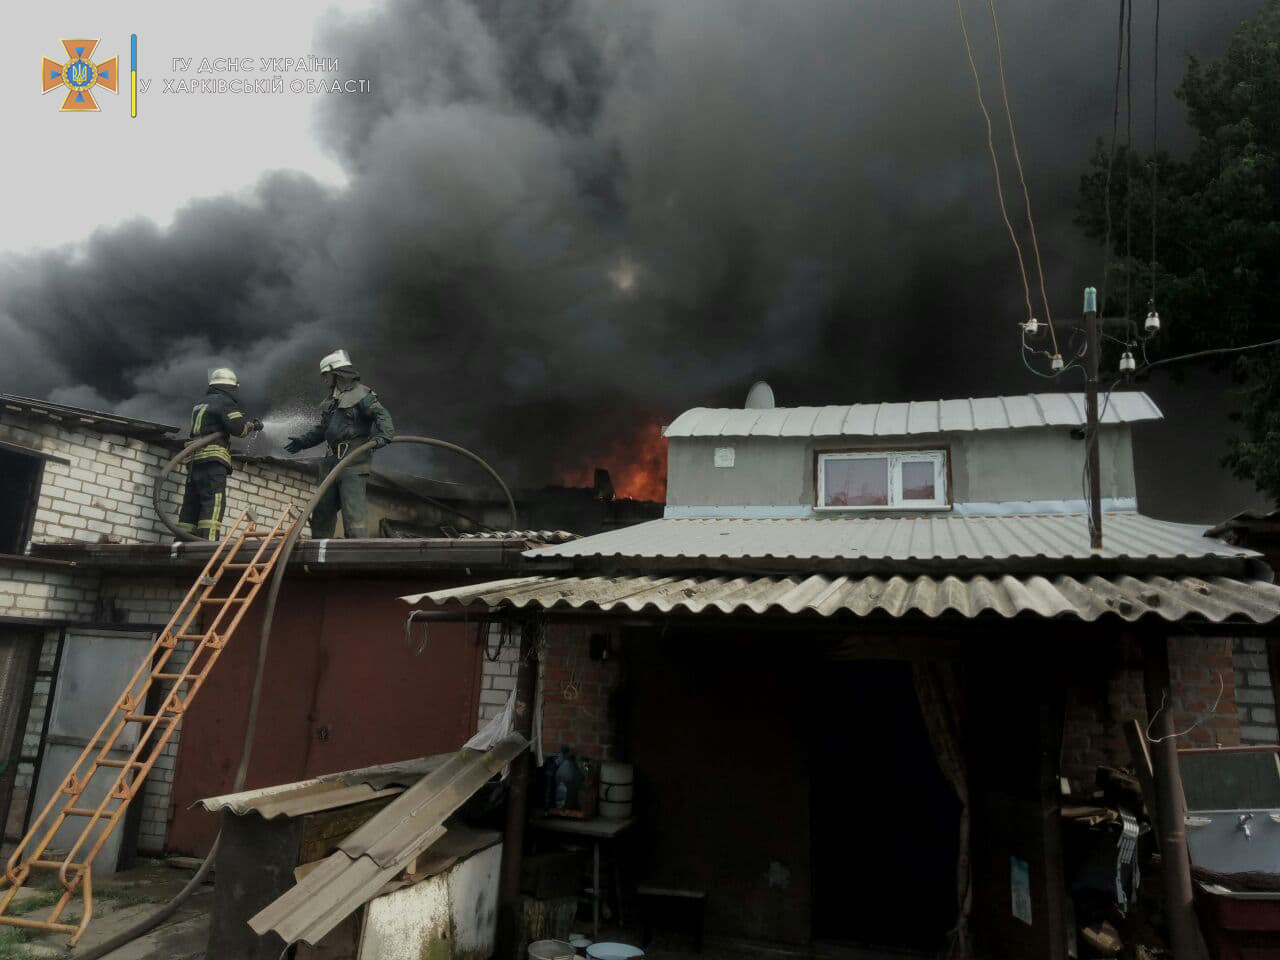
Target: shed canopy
<point x="886" y="542"/>
<point x="1090" y="598"/>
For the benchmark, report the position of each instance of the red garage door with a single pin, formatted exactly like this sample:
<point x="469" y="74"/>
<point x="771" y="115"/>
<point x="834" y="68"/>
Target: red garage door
<point x="341" y="690"/>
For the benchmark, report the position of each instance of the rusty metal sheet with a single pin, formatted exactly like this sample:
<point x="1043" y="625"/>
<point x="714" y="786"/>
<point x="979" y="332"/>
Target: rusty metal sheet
<point x="1208" y="599"/>
<point x="380" y="849"/>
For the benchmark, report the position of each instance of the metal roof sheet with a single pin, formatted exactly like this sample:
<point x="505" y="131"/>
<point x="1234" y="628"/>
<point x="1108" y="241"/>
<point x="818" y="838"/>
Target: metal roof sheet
<point x="82" y="417"/>
<point x="915" y="417"/>
<point x="365" y="861"/>
<point x="1212" y="599"/>
<point x="327" y="792"/>
<point x="931" y="537"/>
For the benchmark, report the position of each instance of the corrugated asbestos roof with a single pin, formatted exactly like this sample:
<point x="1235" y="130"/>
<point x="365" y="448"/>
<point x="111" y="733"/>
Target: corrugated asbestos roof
<point x="328" y="792"/>
<point x="379" y="850"/>
<point x="1213" y="599"/>
<point x="933" y="537"/>
<point x="904" y="419"/>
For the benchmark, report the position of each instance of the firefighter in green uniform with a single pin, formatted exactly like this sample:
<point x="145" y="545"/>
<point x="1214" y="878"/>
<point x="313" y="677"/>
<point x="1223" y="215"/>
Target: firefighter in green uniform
<point x="206" y="493"/>
<point x="350" y="416"/>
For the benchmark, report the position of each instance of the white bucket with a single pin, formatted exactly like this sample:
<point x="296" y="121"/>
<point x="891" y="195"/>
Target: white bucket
<point x="615" y="811"/>
<point x="551" y="950"/>
<point x="616" y="792"/>
<point x="622" y="774"/>
<point x="614" y="951"/>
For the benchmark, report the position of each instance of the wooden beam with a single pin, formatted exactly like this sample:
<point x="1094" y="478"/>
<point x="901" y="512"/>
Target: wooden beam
<point x="1141" y="757"/>
<point x="1184" y="931"/>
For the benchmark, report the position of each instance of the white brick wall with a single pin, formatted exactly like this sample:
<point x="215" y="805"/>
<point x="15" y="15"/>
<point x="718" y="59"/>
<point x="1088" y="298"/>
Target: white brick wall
<point x="498" y="677"/>
<point x="45" y="592"/>
<point x="1255" y="700"/>
<point x="105" y="490"/>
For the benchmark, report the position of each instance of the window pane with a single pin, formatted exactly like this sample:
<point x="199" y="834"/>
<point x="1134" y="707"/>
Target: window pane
<point x="856" y="483"/>
<point x="917" y="480"/>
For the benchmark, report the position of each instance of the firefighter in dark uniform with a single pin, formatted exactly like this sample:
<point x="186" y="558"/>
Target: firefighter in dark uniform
<point x="206" y="494"/>
<point x="350" y="416"/>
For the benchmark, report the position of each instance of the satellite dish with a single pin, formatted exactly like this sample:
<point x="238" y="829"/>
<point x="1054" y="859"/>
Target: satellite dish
<point x="760" y="396"/>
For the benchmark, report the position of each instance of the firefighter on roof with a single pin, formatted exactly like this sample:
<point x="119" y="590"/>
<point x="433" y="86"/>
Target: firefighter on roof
<point x="219" y="413"/>
<point x="349" y="416"/>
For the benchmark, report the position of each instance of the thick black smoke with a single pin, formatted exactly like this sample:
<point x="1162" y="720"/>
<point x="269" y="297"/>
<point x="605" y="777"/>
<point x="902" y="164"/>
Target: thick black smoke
<point x="566" y="217"/>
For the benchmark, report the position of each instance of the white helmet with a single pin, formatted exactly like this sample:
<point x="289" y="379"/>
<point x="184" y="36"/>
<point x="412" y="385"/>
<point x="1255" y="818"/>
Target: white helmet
<point x="223" y="377"/>
<point x="335" y="361"/>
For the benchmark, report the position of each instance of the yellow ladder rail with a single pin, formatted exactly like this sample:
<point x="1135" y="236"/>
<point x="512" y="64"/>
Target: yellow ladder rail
<point x="208" y="638"/>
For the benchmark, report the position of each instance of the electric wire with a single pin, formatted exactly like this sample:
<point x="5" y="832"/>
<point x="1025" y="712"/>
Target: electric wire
<point x="1128" y="171"/>
<point x="1155" y="146"/>
<point x="1017" y="161"/>
<point x="1111" y="159"/>
<point x="995" y="162"/>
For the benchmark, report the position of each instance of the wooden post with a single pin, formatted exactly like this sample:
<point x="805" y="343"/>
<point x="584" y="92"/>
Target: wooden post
<point x="1184" y="932"/>
<point x="517" y="799"/>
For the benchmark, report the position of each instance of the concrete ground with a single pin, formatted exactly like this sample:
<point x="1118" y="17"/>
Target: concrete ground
<point x="119" y="901"/>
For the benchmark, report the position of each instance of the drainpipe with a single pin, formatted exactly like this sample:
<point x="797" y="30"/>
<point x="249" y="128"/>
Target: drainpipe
<point x="509" y="906"/>
<point x="1184" y="930"/>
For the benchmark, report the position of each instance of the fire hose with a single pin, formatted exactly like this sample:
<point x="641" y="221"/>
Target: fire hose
<point x="264" y="643"/>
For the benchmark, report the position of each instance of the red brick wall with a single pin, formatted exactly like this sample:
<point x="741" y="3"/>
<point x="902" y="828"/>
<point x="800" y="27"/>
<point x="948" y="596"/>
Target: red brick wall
<point x="1106" y="692"/>
<point x="577" y="692"/>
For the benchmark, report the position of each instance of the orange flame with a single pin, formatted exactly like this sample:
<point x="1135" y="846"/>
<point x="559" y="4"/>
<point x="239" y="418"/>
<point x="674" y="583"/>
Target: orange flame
<point x="637" y="466"/>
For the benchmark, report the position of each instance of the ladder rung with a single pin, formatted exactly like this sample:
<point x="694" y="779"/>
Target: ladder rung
<point x="242" y="566"/>
<point x="223" y="599"/>
<point x="139" y="717"/>
<point x="53" y="865"/>
<point x="193" y="637"/>
<point x="28" y="924"/>
<point x="85" y="812"/>
<point x="174" y="676"/>
<point x="120" y="763"/>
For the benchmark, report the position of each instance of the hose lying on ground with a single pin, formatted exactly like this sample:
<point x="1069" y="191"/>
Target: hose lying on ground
<point x="152" y="921"/>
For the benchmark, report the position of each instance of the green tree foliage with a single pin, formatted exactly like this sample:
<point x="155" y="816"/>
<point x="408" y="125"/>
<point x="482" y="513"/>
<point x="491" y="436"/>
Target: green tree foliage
<point x="1216" y="275"/>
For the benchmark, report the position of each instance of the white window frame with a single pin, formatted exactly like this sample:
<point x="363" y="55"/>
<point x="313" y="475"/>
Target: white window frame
<point x="895" y="458"/>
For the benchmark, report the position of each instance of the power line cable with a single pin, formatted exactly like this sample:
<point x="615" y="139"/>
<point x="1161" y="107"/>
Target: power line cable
<point x="1128" y="171"/>
<point x="995" y="162"/>
<point x="1155" y="146"/>
<point x="1111" y="157"/>
<point x="1017" y="160"/>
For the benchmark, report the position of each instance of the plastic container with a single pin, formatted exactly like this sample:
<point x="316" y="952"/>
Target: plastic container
<point x="613" y="951"/>
<point x="580" y="943"/>
<point x="551" y="950"/>
<point x="617" y="786"/>
<point x="615" y="811"/>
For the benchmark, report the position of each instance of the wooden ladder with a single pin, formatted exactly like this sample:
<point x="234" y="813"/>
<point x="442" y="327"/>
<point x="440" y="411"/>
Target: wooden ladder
<point x="203" y="603"/>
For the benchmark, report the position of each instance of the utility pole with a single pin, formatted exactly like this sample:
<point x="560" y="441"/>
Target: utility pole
<point x="1091" y="415"/>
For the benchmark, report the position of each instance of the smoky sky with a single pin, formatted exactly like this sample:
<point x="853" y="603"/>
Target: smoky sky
<point x="566" y="218"/>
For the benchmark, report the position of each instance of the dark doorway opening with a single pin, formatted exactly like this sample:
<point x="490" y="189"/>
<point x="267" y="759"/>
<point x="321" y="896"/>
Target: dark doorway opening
<point x="19" y="656"/>
<point x="884" y="820"/>
<point x="20" y="477"/>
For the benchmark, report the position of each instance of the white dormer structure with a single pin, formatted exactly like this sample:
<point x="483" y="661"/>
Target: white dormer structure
<point x="990" y="456"/>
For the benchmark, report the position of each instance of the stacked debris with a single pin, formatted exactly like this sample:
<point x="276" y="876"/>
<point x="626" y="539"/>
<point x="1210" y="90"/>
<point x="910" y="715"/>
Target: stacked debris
<point x="1110" y="857"/>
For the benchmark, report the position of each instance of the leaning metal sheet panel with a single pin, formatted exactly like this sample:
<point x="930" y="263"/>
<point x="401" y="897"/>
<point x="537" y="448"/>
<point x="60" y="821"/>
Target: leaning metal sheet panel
<point x="1128" y="535"/>
<point x="379" y="849"/>
<point x="916" y="417"/>
<point x="327" y="792"/>
<point x="1211" y="599"/>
